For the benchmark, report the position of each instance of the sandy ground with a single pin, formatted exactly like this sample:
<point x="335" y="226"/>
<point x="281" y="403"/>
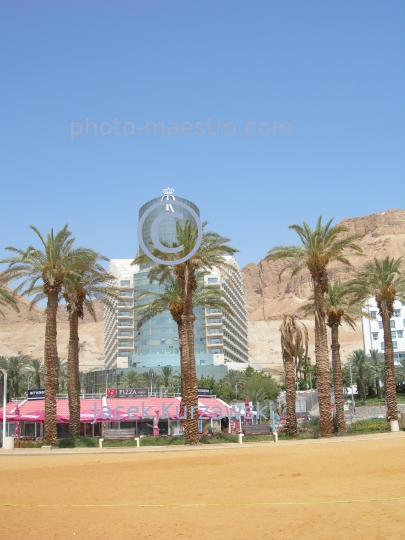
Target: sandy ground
<point x="252" y="493"/>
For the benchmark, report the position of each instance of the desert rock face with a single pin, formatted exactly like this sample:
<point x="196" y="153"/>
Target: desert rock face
<point x="267" y="298"/>
<point x="24" y="333"/>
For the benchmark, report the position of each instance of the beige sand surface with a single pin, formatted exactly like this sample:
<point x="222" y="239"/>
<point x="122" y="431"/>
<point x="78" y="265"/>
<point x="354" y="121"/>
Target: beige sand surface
<point x="243" y="493"/>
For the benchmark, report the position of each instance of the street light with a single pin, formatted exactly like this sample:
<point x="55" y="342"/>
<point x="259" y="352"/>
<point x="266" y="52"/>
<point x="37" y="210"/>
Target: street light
<point x="310" y="385"/>
<point x="4" y="404"/>
<point x="351" y="386"/>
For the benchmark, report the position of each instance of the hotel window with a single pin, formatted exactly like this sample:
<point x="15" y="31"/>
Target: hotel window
<point x="125" y="303"/>
<point x="125" y="344"/>
<point x="375" y="335"/>
<point x="212" y="280"/>
<point x="395" y="345"/>
<point x="124" y="313"/>
<point x="124" y="323"/>
<point x="124" y="333"/>
<point x="215" y="351"/>
<point x="392" y="324"/>
<point x="397" y="313"/>
<point x="125" y="293"/>
<point x="216" y="310"/>
<point x="380" y="325"/>
<point x="400" y="334"/>
<point x="202" y="362"/>
<point x="125" y="283"/>
<point x="214" y="331"/>
<point x="215" y="340"/>
<point x="373" y="314"/>
<point x="394" y="334"/>
<point x="214" y="321"/>
<point x="382" y="345"/>
<point x="125" y="353"/>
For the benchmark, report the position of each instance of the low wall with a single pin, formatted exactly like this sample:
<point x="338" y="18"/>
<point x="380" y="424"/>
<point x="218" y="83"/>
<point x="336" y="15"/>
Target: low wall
<point x="371" y="411"/>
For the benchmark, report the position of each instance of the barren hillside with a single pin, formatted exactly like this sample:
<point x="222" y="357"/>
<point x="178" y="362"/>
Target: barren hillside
<point x="24" y="332"/>
<point x="268" y="297"/>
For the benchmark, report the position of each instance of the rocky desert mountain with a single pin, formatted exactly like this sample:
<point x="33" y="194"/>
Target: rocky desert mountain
<point x="267" y="299"/>
<point x="23" y="332"/>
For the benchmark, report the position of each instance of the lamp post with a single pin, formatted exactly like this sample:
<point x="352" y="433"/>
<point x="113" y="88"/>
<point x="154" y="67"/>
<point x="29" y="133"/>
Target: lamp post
<point x="4" y="404"/>
<point x="351" y="386"/>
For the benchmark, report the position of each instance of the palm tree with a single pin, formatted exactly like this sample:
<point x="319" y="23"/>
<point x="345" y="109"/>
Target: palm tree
<point x="16" y="367"/>
<point x="383" y="281"/>
<point x="339" y="306"/>
<point x="79" y="291"/>
<point x="37" y="370"/>
<point x="360" y="364"/>
<point x="377" y="364"/>
<point x="259" y="387"/>
<point x="172" y="298"/>
<point x="166" y="373"/>
<point x="132" y="379"/>
<point x="235" y="380"/>
<point x="400" y="372"/>
<point x="294" y="335"/>
<point x="7" y="300"/>
<point x="321" y="246"/>
<point x="62" y="370"/>
<point x="52" y="265"/>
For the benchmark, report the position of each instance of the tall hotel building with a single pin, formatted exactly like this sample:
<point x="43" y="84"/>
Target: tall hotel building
<point x="220" y="339"/>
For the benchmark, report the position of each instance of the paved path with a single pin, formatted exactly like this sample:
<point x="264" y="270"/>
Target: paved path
<point x="20" y="452"/>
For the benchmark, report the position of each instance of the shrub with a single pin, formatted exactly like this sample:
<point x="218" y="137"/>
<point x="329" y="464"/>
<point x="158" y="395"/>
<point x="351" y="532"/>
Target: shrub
<point x="66" y="443"/>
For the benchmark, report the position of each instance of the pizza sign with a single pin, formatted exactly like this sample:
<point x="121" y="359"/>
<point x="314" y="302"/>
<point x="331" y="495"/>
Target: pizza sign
<point x="127" y="392"/>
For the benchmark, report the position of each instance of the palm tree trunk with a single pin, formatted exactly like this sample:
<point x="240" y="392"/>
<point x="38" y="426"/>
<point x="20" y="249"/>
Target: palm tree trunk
<point x="50" y="367"/>
<point x="73" y="376"/>
<point x="190" y="392"/>
<point x="337" y="380"/>
<point x="390" y="384"/>
<point x="363" y="394"/>
<point x="289" y="368"/>
<point x="322" y="361"/>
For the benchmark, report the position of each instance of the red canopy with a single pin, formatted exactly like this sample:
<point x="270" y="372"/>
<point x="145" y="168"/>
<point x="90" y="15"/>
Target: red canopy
<point x="34" y="416"/>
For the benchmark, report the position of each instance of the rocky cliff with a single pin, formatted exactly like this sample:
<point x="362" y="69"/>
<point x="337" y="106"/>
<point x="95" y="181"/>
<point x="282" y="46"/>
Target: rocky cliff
<point x="268" y="296"/>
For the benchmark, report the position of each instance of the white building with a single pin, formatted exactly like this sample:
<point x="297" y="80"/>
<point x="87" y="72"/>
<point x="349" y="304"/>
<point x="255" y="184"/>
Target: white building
<point x="373" y="333"/>
<point x="119" y="317"/>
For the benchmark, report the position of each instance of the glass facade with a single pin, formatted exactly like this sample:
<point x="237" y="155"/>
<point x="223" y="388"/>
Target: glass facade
<point x="159" y="337"/>
<point x="167" y="228"/>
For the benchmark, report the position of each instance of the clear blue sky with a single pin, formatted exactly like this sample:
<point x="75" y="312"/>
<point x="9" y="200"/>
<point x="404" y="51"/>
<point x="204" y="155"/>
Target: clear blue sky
<point x="333" y="70"/>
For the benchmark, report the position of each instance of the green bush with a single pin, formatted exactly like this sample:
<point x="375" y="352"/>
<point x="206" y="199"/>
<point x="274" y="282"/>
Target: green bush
<point x="162" y="441"/>
<point x="218" y="439"/>
<point x="67" y="443"/>
<point x="374" y="425"/>
<point x="82" y="442"/>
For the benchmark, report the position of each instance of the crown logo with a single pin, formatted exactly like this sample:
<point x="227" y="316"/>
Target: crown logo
<point x="168" y="192"/>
